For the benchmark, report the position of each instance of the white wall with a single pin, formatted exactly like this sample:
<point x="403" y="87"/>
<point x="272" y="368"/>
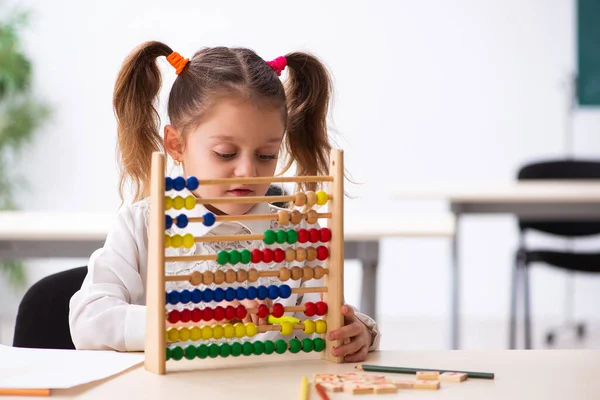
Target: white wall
<point x="430" y="90"/>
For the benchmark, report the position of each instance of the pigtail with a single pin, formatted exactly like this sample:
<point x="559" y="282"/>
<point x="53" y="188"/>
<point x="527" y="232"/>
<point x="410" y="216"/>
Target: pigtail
<point x="138" y="122"/>
<point x="307" y="90"/>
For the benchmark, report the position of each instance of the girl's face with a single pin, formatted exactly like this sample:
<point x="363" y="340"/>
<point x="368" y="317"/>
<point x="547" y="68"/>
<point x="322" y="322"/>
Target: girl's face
<point x="236" y="139"/>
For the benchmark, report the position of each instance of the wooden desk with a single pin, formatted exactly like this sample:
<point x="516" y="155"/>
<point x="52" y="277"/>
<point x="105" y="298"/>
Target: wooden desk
<point x="550" y="374"/>
<point x="26" y="235"/>
<point x="534" y="200"/>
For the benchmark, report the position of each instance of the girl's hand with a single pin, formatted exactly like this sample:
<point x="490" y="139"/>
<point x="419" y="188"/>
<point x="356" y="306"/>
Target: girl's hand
<point x="254" y="304"/>
<point x="355" y="335"/>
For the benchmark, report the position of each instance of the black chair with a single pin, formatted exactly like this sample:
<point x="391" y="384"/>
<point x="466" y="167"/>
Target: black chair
<point x="567" y="260"/>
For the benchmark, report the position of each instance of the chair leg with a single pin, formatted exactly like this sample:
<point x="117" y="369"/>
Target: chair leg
<point x="526" y="306"/>
<point x="513" y="299"/>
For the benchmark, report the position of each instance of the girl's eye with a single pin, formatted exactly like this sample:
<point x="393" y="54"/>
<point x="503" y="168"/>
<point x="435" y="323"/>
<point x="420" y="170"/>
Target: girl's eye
<point x="267" y="156"/>
<point x="225" y="155"/>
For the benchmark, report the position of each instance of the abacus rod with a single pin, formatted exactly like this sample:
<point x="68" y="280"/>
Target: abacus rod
<point x="248" y="310"/>
<point x="261" y="274"/>
<point x="202" y="257"/>
<point x="247" y="199"/>
<point x="229" y="238"/>
<point x="316" y="289"/>
<point x="250" y="217"/>
<point x="267" y="179"/>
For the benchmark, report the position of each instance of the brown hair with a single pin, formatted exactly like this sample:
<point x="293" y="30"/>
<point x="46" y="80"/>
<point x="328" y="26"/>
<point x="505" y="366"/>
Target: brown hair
<point x="304" y="101"/>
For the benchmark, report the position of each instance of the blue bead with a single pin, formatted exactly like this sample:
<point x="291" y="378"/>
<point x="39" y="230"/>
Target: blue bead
<point x="241" y="293"/>
<point x="285" y="291"/>
<point x="192" y="183"/>
<point x="230" y="294"/>
<point x="168" y="222"/>
<point x="179" y="183"/>
<point x="196" y="296"/>
<point x="168" y="183"/>
<point x="263" y="292"/>
<point x="208" y="295"/>
<point x="219" y="294"/>
<point x="182" y="221"/>
<point x="174" y="297"/>
<point x="209" y="219"/>
<point x="185" y="296"/>
<point x="251" y="293"/>
<point x="273" y="292"/>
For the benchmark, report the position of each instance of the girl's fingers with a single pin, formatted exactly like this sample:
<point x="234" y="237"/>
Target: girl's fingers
<point x="360" y="355"/>
<point x="348" y="331"/>
<point x="347" y="349"/>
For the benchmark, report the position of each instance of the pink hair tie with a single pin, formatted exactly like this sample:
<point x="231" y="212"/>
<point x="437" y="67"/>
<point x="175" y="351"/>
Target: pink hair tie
<point x="278" y="64"/>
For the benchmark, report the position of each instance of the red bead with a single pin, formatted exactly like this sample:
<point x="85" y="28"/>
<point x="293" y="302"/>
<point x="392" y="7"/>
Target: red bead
<point x="174" y="316"/>
<point x="256" y="256"/>
<point x="185" y="315"/>
<point x="302" y="235"/>
<point x="310" y="309"/>
<point x="208" y="314"/>
<point x="196" y="315"/>
<point x="241" y="312"/>
<point x="313" y="235"/>
<point x="279" y="255"/>
<point x="322" y="253"/>
<point x="268" y="255"/>
<point x="321" y="308"/>
<point x="229" y="313"/>
<point x="219" y="313"/>
<point x="263" y="311"/>
<point x="278" y="310"/>
<point x="325" y="234"/>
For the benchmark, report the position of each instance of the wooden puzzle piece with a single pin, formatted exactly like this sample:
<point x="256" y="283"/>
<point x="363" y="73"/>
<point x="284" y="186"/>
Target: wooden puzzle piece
<point x="426" y="384"/>
<point x="404" y="384"/>
<point x="332" y="386"/>
<point x="383" y="388"/>
<point x="453" y="377"/>
<point x="358" y="388"/>
<point x="428" y="375"/>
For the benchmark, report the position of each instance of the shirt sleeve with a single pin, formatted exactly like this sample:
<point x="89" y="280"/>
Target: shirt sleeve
<point x="108" y="312"/>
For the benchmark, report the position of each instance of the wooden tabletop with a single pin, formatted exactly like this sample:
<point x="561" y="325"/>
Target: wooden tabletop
<point x="551" y="374"/>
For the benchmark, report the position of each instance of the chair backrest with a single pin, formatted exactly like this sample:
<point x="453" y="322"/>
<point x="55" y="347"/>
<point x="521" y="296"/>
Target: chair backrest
<point x="277" y="191"/>
<point x="561" y="170"/>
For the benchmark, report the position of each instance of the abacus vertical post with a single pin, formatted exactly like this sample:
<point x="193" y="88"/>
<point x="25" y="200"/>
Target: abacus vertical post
<point x="334" y="280"/>
<point x="155" y="348"/>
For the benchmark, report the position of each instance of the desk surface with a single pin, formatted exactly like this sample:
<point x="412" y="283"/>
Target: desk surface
<point x="558" y="374"/>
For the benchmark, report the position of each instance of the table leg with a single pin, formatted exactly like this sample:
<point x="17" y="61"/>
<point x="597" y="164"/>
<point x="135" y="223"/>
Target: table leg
<point x="367" y="252"/>
<point x="455" y="289"/>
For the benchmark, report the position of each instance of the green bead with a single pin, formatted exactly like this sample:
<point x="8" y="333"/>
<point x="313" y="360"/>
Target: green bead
<point x="295" y="346"/>
<point x="222" y="257"/>
<point x="292" y="236"/>
<point x="177" y="353"/>
<point x="269" y="347"/>
<point x="259" y="348"/>
<point x="270" y="237"/>
<point x="236" y="349"/>
<point x="234" y="257"/>
<point x="202" y="351"/>
<point x="247" y="348"/>
<point x="281" y="236"/>
<point x="246" y="256"/>
<point x="190" y="352"/>
<point x="307" y="345"/>
<point x="214" y="350"/>
<point x="168" y="354"/>
<point x="280" y="346"/>
<point x="225" y="350"/>
<point x="319" y="344"/>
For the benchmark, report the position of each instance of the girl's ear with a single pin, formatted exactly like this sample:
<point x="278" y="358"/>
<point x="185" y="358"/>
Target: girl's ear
<point x="173" y="143"/>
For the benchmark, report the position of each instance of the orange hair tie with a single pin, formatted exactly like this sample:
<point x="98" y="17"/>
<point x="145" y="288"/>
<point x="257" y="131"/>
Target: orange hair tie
<point x="177" y="61"/>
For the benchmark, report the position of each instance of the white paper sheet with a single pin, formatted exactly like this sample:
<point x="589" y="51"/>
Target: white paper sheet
<point x="60" y="369"/>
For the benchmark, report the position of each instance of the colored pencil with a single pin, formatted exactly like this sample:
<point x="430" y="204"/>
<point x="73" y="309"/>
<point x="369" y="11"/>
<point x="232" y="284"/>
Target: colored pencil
<point x="304" y="388"/>
<point x="321" y="392"/>
<point x="24" y="392"/>
<point x="404" y="370"/>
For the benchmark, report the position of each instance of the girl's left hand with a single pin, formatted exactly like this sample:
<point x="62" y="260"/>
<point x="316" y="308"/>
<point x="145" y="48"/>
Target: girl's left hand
<point x="355" y="335"/>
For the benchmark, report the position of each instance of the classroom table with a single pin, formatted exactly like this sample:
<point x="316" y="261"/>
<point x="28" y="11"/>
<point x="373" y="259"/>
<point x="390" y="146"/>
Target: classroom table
<point x="27" y="234"/>
<point x="531" y="199"/>
<point x="519" y="374"/>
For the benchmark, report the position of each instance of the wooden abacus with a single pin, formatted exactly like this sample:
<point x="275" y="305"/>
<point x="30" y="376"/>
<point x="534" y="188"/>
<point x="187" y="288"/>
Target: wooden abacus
<point x="162" y="325"/>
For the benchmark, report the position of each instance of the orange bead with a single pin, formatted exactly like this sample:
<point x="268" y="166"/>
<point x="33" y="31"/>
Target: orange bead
<point x="230" y="276"/>
<point x="300" y="254"/>
<point x="219" y="277"/>
<point x="296" y="273"/>
<point x="208" y="277"/>
<point x="196" y="278"/>
<point x="319" y="272"/>
<point x="284" y="274"/>
<point x="252" y="275"/>
<point x="311" y="199"/>
<point x="299" y="199"/>
<point x="307" y="273"/>
<point x="242" y="275"/>
<point x="283" y="217"/>
<point x="312" y="216"/>
<point x="290" y="254"/>
<point x="296" y="217"/>
<point x="311" y="254"/>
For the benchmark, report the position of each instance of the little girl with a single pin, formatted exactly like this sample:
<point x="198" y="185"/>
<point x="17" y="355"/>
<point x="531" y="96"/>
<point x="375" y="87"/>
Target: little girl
<point x="230" y="116"/>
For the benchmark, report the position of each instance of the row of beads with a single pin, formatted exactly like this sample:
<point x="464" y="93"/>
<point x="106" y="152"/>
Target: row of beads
<point x="229" y="313"/>
<point x="247" y="348"/>
<point x="181" y="183"/>
<point x="208" y="219"/>
<point x="251" y="275"/>
<point x="269" y="255"/>
<point x="239" y="330"/>
<point x="241" y="293"/>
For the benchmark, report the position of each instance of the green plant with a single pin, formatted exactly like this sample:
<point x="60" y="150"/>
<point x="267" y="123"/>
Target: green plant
<point x="21" y="114"/>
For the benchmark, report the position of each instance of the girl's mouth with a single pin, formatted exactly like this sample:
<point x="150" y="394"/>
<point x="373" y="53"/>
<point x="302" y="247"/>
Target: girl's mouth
<point x="239" y="192"/>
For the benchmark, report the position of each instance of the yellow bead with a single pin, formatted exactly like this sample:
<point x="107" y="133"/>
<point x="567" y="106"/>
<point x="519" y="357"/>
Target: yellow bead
<point x="168" y="203"/>
<point x="184" y="334"/>
<point x="188" y="240"/>
<point x="240" y="330"/>
<point x="190" y="202"/>
<point x="309" y="326"/>
<point x="176" y="241"/>
<point x="178" y="203"/>
<point x="322" y="198"/>
<point x="286" y="328"/>
<point x="217" y="331"/>
<point x="173" y="335"/>
<point x="321" y="326"/>
<point x="195" y="333"/>
<point x="251" y="329"/>
<point x="228" y="331"/>
<point x="167" y="241"/>
<point x="207" y="332"/>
